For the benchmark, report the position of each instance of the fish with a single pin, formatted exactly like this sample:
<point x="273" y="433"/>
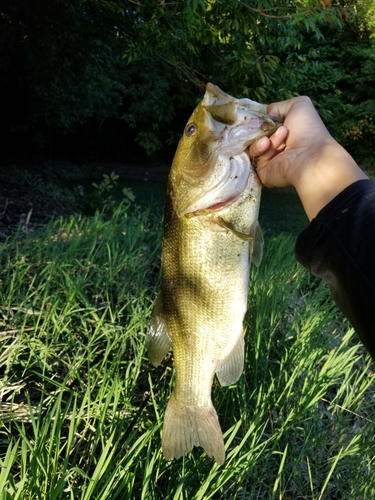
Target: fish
<point x="211" y="236"/>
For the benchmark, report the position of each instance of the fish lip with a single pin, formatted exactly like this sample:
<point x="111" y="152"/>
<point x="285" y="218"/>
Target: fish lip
<point x="230" y="181"/>
<point x="246" y="132"/>
<point x="212" y="208"/>
<point x="221" y="204"/>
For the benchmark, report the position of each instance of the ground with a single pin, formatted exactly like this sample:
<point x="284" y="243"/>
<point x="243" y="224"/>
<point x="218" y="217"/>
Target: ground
<point x="30" y="195"/>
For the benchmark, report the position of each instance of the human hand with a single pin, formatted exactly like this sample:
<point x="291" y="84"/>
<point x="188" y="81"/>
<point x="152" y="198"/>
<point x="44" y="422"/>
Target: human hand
<point x="303" y="154"/>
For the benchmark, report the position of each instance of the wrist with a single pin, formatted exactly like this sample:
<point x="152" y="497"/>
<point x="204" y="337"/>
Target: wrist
<point x="328" y="171"/>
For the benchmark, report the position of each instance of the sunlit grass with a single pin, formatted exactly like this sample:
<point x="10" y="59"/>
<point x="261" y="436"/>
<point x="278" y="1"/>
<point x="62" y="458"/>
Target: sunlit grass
<point x="82" y="408"/>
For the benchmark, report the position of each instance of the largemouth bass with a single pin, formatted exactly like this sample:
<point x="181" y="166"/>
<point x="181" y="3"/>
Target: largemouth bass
<point x="211" y="235"/>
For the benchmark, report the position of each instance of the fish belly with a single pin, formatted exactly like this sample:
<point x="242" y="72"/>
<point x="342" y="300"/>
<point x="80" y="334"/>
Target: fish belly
<point x="204" y="293"/>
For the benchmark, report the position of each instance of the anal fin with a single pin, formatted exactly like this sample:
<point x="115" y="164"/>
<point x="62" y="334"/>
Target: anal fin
<point x="231" y="367"/>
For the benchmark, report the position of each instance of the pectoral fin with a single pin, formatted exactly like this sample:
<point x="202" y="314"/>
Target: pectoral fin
<point x="256" y="244"/>
<point x="227" y="225"/>
<point x="159" y="341"/>
<point x="231" y="367"/>
<point x="255" y="238"/>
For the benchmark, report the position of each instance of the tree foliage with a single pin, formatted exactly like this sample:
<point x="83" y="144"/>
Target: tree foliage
<point x="73" y="66"/>
<point x="60" y="66"/>
<point x="341" y="69"/>
<point x="175" y="48"/>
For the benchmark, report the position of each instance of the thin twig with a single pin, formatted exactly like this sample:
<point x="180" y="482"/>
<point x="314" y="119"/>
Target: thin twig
<point x="5" y="209"/>
<point x="188" y="72"/>
<point x="346" y="409"/>
<point x="262" y="12"/>
<point x="28" y="217"/>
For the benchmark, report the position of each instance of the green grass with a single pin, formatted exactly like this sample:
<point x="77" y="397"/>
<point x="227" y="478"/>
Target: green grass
<point x="82" y="408"/>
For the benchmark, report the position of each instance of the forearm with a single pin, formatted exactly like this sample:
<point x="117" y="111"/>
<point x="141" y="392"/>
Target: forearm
<point x="339" y="200"/>
<point x="339" y="246"/>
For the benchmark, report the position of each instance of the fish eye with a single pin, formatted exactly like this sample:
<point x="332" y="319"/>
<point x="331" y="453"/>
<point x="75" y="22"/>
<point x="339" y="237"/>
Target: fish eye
<point x="191" y="129"/>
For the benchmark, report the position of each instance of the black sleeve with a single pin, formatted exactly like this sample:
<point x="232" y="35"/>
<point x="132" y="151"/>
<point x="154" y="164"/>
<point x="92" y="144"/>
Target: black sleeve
<point x="339" y="246"/>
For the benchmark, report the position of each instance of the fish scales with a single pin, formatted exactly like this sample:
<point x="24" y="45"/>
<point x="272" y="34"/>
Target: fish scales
<point x="211" y="234"/>
<point x="213" y="273"/>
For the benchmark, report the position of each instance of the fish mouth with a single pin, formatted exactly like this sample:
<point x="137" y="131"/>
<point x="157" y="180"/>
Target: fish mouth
<point x="230" y="126"/>
<point x="213" y="208"/>
<point x="223" y="180"/>
<point x="222" y="204"/>
<point x="245" y="134"/>
<point x="249" y="126"/>
<point x="219" y="190"/>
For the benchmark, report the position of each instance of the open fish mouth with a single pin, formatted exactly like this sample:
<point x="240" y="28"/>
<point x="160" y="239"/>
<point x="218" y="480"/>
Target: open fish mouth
<point x="216" y="167"/>
<point x="246" y="133"/>
<point x="223" y="188"/>
<point x="249" y="125"/>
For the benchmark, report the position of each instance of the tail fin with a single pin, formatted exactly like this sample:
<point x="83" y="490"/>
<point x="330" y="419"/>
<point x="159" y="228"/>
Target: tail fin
<point x="186" y="427"/>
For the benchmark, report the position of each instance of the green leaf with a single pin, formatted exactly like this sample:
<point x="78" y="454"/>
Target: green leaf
<point x="129" y="194"/>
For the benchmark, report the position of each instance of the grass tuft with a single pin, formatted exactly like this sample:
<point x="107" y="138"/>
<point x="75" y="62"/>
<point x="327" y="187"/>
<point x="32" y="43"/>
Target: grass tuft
<point x="81" y="407"/>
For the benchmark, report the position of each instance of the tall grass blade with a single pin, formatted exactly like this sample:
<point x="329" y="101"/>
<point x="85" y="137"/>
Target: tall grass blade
<point x="81" y="408"/>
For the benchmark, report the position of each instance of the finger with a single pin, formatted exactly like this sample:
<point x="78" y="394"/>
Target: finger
<point x="282" y="108"/>
<point x="259" y="147"/>
<point x="296" y="107"/>
<point x="265" y="148"/>
<point x="273" y="109"/>
<point x="279" y="137"/>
